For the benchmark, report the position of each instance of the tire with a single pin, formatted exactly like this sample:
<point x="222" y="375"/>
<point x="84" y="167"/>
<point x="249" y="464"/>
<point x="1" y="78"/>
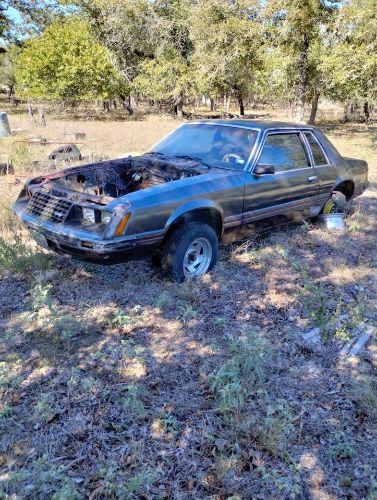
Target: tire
<point x="337" y="204"/>
<point x="190" y="251"/>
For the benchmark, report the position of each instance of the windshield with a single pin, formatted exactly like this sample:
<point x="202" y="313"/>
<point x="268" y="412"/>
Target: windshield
<point x="214" y="145"/>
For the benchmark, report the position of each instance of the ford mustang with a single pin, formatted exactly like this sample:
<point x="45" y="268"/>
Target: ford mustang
<point x="179" y="197"/>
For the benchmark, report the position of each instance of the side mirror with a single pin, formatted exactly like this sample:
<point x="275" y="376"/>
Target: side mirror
<point x="264" y="170"/>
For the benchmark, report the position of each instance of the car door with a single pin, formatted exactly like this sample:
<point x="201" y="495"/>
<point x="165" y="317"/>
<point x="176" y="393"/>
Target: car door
<point x="290" y="191"/>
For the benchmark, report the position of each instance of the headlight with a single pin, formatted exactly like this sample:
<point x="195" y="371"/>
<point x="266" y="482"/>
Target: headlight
<point x="88" y="215"/>
<point x="105" y="217"/>
<point x="93" y="216"/>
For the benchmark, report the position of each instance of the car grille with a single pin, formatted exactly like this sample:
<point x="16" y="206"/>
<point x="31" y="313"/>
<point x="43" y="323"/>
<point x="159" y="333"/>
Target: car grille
<point x="48" y="207"/>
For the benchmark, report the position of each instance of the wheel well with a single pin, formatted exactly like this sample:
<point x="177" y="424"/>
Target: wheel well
<point x="209" y="216"/>
<point x="346" y="188"/>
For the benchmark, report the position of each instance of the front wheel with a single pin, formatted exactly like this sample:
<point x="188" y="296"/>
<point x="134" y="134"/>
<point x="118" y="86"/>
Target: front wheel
<point x="190" y="251"/>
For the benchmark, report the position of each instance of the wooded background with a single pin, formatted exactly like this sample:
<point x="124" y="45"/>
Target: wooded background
<point x="171" y="53"/>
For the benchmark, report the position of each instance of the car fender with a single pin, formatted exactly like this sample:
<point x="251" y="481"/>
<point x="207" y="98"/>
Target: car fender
<point x="190" y="207"/>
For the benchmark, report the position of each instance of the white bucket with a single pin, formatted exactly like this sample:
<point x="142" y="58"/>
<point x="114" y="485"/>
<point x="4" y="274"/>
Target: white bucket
<point x="333" y="222"/>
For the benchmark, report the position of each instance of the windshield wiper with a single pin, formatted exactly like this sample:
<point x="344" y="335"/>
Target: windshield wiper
<point x="195" y="158"/>
<point x="155" y="153"/>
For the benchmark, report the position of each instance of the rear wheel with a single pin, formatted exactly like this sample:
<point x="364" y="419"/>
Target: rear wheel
<point x="190" y="251"/>
<point x="337" y="204"/>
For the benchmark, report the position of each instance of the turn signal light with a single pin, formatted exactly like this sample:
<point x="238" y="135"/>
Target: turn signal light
<point x="122" y="225"/>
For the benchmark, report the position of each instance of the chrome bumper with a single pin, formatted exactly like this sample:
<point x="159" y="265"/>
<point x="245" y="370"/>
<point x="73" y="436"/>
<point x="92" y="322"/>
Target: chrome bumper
<point x="82" y="243"/>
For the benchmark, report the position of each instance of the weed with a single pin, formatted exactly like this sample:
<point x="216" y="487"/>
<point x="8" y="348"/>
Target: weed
<point x="219" y="322"/>
<point x="142" y="481"/>
<point x="133" y="401"/>
<point x="5" y="411"/>
<point x="121" y="320"/>
<point x="7" y="378"/>
<point x="277" y="431"/>
<point x="188" y="313"/>
<point x="241" y="374"/>
<point x="162" y="300"/>
<point x="110" y="484"/>
<point x="17" y="257"/>
<point x="287" y="485"/>
<point x="357" y="221"/>
<point x="317" y="306"/>
<point x="225" y="465"/>
<point x="364" y="394"/>
<point x="50" y="317"/>
<point x="43" y="478"/>
<point x="342" y="448"/>
<point x="44" y="409"/>
<point x="170" y="423"/>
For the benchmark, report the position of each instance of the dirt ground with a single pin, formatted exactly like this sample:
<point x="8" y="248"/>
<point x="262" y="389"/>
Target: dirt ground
<point x="117" y="383"/>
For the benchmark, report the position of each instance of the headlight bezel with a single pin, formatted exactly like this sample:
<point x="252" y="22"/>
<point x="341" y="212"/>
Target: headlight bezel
<point x="94" y="216"/>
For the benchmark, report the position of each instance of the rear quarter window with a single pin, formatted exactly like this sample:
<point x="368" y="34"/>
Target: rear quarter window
<point x="317" y="151"/>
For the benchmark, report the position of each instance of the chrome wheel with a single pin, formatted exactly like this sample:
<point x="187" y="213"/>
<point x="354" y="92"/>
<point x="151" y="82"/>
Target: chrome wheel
<point x="197" y="258"/>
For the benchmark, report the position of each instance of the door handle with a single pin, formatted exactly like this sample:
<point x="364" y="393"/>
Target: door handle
<point x="312" y="178"/>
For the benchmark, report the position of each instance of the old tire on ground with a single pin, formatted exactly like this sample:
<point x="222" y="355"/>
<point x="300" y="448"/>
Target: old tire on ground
<point x="190" y="251"/>
<point x="337" y="204"/>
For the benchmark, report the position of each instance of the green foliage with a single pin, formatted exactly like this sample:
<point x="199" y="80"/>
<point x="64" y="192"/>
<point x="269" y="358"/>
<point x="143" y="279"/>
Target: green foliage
<point x="277" y="431"/>
<point x="18" y="257"/>
<point x="298" y="32"/>
<point x="342" y="448"/>
<point x="172" y="51"/>
<point x="65" y="62"/>
<point x="50" y="318"/>
<point x="350" y="62"/>
<point x="164" y="78"/>
<point x="41" y="478"/>
<point x="241" y="374"/>
<point x="7" y="62"/>
<point x="227" y="39"/>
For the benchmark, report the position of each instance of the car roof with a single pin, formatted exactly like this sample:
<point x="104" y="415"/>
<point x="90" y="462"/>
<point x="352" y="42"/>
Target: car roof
<point x="257" y="124"/>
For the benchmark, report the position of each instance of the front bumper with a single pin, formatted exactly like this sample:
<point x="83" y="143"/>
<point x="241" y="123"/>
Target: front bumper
<point x="80" y="243"/>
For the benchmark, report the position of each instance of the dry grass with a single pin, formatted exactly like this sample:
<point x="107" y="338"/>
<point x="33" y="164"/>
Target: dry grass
<point x="115" y="383"/>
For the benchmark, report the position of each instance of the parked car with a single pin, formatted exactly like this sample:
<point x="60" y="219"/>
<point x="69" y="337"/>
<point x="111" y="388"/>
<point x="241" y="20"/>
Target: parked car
<point x="179" y="197"/>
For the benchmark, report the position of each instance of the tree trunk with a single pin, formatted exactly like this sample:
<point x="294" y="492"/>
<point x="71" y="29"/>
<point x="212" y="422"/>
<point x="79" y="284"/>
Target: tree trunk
<point x="290" y="110"/>
<point x="366" y="112"/>
<point x="132" y="101"/>
<point x="241" y="104"/>
<point x="106" y="105"/>
<point x="126" y="104"/>
<point x="346" y="110"/>
<point x="303" y="78"/>
<point x="212" y="104"/>
<point x="178" y="110"/>
<point x="226" y="103"/>
<point x="314" y="108"/>
<point x="10" y="93"/>
<point x="31" y="114"/>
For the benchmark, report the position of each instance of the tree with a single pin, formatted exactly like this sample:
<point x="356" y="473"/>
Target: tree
<point x="7" y="65"/>
<point x="66" y="63"/>
<point x="164" y="79"/>
<point x="227" y="39"/>
<point x="127" y="28"/>
<point x="350" y="63"/>
<point x="168" y="77"/>
<point x="297" y="28"/>
<point x="32" y="17"/>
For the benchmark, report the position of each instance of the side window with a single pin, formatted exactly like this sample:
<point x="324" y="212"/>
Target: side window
<point x="318" y="154"/>
<point x="284" y="152"/>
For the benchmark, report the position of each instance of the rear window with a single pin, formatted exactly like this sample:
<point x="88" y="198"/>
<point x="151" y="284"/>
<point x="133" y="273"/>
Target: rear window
<point x="318" y="154"/>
